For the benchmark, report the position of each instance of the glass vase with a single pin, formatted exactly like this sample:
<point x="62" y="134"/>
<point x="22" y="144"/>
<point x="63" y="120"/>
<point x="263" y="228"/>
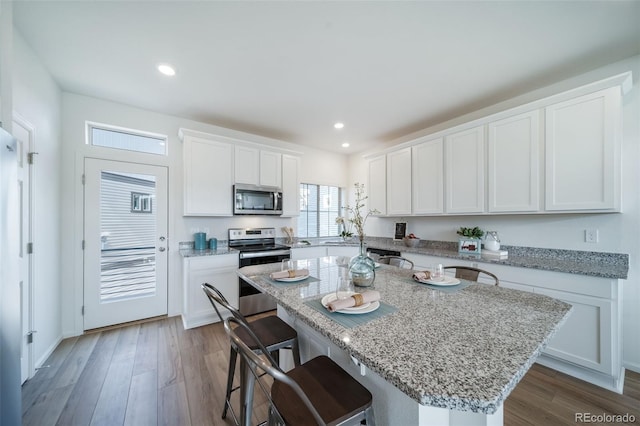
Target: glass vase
<point x="362" y="268"/>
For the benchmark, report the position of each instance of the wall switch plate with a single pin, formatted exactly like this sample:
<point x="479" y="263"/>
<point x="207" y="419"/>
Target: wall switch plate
<point x="591" y="235"/>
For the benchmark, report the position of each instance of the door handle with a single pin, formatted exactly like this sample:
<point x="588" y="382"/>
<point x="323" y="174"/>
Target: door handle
<point x="162" y="238"/>
<point x="161" y="248"/>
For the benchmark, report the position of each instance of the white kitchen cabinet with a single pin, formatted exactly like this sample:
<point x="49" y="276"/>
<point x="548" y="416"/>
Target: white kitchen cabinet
<point x="208" y="177"/>
<point x="247" y="165"/>
<point x="256" y="166"/>
<point x="290" y="185"/>
<point x="588" y="345"/>
<point x="347" y="251"/>
<point x="270" y="168"/>
<point x="513" y="164"/>
<point x="583" y="138"/>
<point x="377" y="188"/>
<point x="427" y="177"/>
<point x="464" y="171"/>
<point x="399" y="182"/>
<point x="217" y="270"/>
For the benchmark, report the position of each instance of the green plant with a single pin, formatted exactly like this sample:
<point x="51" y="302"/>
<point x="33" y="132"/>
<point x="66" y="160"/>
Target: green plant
<point x="474" y="232"/>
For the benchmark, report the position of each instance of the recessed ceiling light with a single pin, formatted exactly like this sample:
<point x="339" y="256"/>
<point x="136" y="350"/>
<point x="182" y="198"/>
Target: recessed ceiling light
<point x="345" y="144"/>
<point x="167" y="69"/>
<point x="338" y="125"/>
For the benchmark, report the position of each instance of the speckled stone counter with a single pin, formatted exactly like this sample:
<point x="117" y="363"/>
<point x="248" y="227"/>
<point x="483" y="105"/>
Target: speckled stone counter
<point x="595" y="264"/>
<point x="187" y="250"/>
<point x="463" y="351"/>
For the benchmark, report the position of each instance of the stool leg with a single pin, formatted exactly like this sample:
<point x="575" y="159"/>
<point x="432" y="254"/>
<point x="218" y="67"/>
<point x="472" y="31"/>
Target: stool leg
<point x="276" y="356"/>
<point x="368" y="416"/>
<point x="233" y="355"/>
<point x="295" y="351"/>
<point x="246" y="392"/>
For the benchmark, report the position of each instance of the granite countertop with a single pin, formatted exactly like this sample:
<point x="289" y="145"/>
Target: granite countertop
<point x="595" y="264"/>
<point x="465" y="350"/>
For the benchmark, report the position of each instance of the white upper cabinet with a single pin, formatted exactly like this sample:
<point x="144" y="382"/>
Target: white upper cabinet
<point x="427" y="183"/>
<point x="399" y="182"/>
<point x="464" y="168"/>
<point x="290" y="185"/>
<point x="247" y="165"/>
<point x="255" y="166"/>
<point x="513" y="163"/>
<point x="208" y="177"/>
<point x="583" y="153"/>
<point x="377" y="188"/>
<point x="270" y="168"/>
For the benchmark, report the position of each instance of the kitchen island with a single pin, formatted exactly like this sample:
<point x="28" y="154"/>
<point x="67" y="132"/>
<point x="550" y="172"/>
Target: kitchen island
<point x="437" y="357"/>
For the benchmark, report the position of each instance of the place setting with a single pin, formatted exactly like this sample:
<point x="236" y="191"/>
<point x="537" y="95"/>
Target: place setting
<point x="349" y="307"/>
<point x="291" y="272"/>
<point x="436" y="279"/>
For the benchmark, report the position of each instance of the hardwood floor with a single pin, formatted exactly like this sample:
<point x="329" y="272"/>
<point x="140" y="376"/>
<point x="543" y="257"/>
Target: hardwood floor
<point x="157" y="373"/>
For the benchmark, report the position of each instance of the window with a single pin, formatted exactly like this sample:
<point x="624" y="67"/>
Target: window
<point x="319" y="207"/>
<point x="126" y="139"/>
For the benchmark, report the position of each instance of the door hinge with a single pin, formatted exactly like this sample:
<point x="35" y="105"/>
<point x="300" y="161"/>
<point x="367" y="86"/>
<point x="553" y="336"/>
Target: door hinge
<point x="30" y="157"/>
<point x="82" y="244"/>
<point x="83" y="179"/>
<point x="29" y="248"/>
<point x="82" y="310"/>
<point x="30" y="336"/>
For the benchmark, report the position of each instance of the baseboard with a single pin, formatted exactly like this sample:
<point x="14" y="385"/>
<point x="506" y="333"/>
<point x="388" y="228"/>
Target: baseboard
<point x="594" y="377"/>
<point x="40" y="362"/>
<point x="633" y="366"/>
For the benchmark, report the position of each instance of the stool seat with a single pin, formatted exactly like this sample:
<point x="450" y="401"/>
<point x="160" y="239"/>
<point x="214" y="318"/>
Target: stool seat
<point x="334" y="394"/>
<point x="270" y="330"/>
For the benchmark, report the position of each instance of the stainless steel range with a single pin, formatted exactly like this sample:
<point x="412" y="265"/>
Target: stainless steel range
<point x="257" y="246"/>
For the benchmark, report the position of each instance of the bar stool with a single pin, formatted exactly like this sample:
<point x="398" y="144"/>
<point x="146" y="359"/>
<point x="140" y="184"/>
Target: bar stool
<point x="317" y="392"/>
<point x="273" y="333"/>
<point x="398" y="261"/>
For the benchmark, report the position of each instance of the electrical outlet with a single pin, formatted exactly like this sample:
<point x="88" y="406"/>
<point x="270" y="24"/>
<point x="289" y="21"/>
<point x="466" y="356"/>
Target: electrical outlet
<point x="591" y="235"/>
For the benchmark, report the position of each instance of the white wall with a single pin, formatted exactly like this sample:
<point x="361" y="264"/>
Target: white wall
<point x="37" y="99"/>
<point x="316" y="167"/>
<point x="618" y="233"/>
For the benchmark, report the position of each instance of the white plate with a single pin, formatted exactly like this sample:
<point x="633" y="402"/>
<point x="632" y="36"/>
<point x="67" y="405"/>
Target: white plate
<point x="444" y="282"/>
<point x="363" y="309"/>
<point x="293" y="279"/>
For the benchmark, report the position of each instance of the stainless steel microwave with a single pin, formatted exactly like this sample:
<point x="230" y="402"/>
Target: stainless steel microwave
<point x="253" y="199"/>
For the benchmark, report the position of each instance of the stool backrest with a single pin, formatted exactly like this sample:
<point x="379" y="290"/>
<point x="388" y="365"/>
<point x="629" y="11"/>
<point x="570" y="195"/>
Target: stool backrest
<point x="217" y="298"/>
<point x="398" y="261"/>
<point x="270" y="366"/>
<point x="471" y="274"/>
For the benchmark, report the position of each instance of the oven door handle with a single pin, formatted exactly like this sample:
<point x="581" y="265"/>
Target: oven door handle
<point x="251" y="255"/>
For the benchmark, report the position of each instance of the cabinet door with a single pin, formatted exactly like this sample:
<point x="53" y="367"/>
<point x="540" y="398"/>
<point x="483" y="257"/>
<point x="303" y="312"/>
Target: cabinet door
<point x="219" y="271"/>
<point x="586" y="337"/>
<point x="464" y="166"/>
<point x="427" y="182"/>
<point x="377" y="189"/>
<point x="270" y="169"/>
<point x="513" y="163"/>
<point x="399" y="182"/>
<point x="583" y="153"/>
<point x="208" y="177"/>
<point x="290" y="185"/>
<point x="247" y="165"/>
<point x="299" y="253"/>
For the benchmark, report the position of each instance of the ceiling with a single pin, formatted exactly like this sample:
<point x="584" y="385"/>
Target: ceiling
<point x="289" y="70"/>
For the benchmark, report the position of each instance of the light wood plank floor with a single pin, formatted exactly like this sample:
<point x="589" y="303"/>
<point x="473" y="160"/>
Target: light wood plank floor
<point x="157" y="373"/>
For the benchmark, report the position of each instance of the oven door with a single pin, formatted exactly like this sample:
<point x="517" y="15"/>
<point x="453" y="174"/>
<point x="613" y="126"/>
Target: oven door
<point x="252" y="300"/>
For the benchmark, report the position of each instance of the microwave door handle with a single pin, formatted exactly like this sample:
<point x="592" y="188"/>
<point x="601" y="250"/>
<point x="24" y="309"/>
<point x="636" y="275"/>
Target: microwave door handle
<point x="275" y="200"/>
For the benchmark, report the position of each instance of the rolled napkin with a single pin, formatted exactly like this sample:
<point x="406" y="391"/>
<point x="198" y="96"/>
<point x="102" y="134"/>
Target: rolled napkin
<point x="355" y="300"/>
<point x="289" y="274"/>
<point x="421" y="275"/>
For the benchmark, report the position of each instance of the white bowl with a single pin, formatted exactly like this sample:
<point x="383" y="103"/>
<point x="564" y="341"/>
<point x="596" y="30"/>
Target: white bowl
<point x="411" y="242"/>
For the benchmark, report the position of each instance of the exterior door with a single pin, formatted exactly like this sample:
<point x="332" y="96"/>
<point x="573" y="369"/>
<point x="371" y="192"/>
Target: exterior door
<point x="23" y="135"/>
<point x="125" y="242"/>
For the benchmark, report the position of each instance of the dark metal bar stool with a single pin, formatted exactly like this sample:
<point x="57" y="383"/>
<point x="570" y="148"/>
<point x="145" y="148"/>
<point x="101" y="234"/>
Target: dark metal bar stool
<point x="317" y="392"/>
<point x="398" y="261"/>
<point x="273" y="333"/>
<point x="471" y="274"/>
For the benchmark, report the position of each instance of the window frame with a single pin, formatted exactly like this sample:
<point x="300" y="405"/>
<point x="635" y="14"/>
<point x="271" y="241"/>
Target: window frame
<point x="90" y="125"/>
<point x="341" y="198"/>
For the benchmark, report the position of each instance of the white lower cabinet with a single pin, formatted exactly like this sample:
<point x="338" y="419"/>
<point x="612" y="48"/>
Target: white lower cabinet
<point x="299" y="253"/>
<point x="588" y="345"/>
<point x="220" y="272"/>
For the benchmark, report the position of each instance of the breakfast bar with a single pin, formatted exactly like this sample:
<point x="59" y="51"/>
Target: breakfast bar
<point x="433" y="355"/>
